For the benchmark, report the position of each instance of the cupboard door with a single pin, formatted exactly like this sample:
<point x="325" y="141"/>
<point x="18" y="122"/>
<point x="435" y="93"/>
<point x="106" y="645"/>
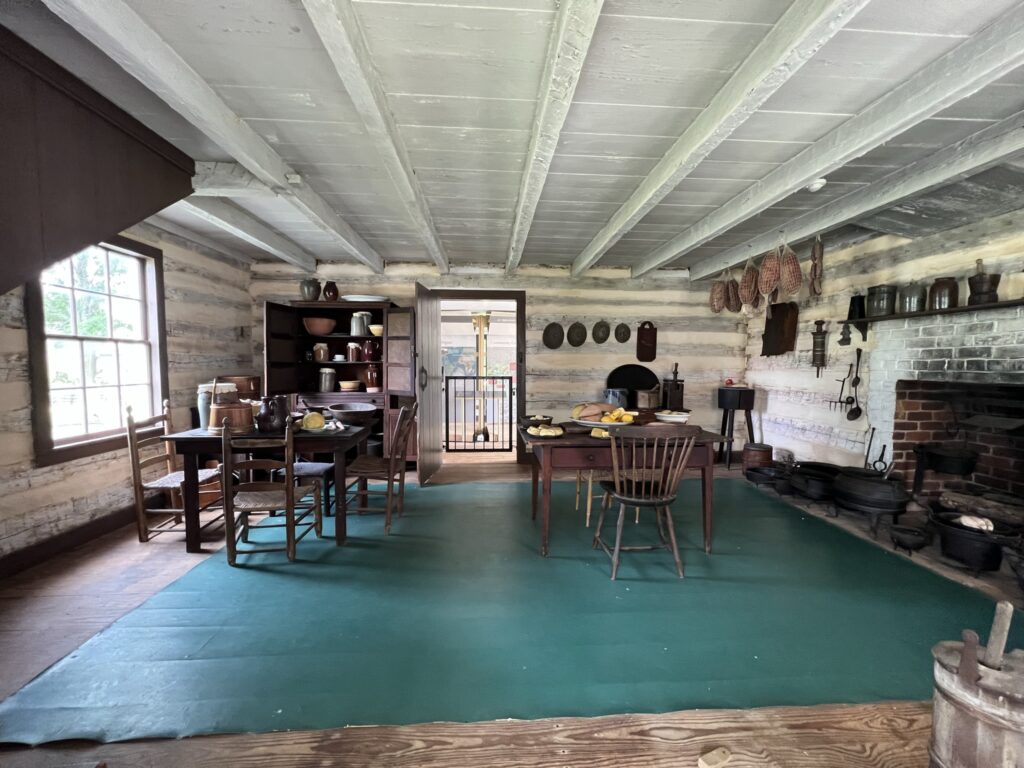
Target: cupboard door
<point x="400" y="343"/>
<point x="280" y="349"/>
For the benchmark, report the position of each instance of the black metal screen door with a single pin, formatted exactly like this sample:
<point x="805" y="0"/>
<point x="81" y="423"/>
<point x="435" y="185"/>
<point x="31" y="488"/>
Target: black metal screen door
<point x="478" y="413"/>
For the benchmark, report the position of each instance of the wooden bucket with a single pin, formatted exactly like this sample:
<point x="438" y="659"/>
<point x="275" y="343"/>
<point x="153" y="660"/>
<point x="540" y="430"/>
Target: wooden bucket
<point x="756" y="455"/>
<point x="978" y="715"/>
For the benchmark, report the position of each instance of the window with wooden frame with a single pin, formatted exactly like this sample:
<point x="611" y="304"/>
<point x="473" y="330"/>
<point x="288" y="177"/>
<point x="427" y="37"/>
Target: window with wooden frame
<point x="96" y="346"/>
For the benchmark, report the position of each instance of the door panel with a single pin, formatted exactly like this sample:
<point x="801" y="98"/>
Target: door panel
<point x="428" y="382"/>
<point x="400" y="376"/>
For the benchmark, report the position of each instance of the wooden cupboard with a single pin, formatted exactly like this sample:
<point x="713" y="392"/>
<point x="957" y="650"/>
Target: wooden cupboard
<point x="290" y="369"/>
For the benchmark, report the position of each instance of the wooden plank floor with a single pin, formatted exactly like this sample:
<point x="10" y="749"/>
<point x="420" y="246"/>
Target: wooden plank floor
<point x="50" y="610"/>
<point x="893" y="735"/>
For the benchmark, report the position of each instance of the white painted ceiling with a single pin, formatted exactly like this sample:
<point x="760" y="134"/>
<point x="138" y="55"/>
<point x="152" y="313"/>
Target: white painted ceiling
<point x="462" y="79"/>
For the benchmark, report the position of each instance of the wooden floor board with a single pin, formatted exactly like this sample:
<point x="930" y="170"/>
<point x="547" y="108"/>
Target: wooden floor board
<point x="890" y="735"/>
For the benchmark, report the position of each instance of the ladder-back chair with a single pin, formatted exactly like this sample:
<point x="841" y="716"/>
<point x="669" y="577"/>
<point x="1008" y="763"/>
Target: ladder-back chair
<point x="389" y="470"/>
<point x="170" y="483"/>
<point x="243" y="500"/>
<point x="647" y="466"/>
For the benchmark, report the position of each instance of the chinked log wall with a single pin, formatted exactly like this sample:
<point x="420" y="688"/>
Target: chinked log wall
<point x="793" y="410"/>
<point x="708" y="347"/>
<point x="209" y="316"/>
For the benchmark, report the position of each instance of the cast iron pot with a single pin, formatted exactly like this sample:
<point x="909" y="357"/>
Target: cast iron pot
<point x="869" y="488"/>
<point x="814" y="479"/>
<point x="909" y="538"/>
<point x="978" y="550"/>
<point x="764" y="475"/>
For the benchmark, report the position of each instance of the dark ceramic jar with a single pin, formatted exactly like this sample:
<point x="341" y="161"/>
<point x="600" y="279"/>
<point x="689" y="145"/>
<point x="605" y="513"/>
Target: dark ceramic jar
<point x="944" y="293"/>
<point x="331" y="291"/>
<point x="881" y="300"/>
<point x="265" y="417"/>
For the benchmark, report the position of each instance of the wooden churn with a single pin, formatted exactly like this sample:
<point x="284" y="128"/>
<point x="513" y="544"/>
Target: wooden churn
<point x="978" y="713"/>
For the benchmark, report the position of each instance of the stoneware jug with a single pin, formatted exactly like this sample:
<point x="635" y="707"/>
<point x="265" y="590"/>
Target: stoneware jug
<point x="330" y="291"/>
<point x="310" y="289"/>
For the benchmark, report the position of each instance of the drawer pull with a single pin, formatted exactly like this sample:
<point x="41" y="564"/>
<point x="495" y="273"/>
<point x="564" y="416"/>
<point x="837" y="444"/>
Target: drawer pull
<point x="590" y="457"/>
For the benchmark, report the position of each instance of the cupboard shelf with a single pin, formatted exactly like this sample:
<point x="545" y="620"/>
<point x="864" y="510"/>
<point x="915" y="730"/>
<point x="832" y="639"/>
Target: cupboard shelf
<point x="937" y="312"/>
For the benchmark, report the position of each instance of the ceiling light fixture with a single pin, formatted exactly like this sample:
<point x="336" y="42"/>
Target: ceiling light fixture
<point x="815" y="185"/>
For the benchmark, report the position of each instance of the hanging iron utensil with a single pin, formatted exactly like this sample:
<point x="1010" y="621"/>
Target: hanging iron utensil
<point x="856" y="377"/>
<point x="867" y="452"/>
<point x="819" y="337"/>
<point x="817" y="268"/>
<point x="879" y="464"/>
<point x="844" y="335"/>
<point x="840" y="402"/>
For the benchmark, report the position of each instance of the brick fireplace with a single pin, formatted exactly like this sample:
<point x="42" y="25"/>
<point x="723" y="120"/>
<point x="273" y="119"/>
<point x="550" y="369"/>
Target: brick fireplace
<point x="917" y="366"/>
<point x="975" y="417"/>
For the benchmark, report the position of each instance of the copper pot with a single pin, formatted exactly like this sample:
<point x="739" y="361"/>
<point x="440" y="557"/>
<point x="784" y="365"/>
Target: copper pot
<point x="227" y="410"/>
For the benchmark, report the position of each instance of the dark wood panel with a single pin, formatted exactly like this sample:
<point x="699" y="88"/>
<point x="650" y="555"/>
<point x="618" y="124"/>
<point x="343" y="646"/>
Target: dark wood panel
<point x="77" y="170"/>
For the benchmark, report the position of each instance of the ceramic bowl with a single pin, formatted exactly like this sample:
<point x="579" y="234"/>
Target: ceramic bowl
<point x="319" y="326"/>
<point x="376" y="330"/>
<point x="354" y="414"/>
<point x="350" y="386"/>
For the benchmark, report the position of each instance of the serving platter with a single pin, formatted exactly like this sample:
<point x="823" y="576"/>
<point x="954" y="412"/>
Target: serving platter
<point x="364" y="297"/>
<point x="673" y="418"/>
<point x="604" y="424"/>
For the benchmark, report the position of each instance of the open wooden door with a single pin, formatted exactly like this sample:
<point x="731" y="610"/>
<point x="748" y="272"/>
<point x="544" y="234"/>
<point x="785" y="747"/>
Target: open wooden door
<point x="428" y="382"/>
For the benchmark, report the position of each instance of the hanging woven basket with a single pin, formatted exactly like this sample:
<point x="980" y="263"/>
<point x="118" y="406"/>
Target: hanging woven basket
<point x="732" y="296"/>
<point x="748" y="284"/>
<point x="717" y="297"/>
<point x="768" y="277"/>
<point x="791" y="278"/>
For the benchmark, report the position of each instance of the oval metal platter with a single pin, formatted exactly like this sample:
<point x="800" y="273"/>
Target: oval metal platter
<point x="622" y="333"/>
<point x="601" y="332"/>
<point x="553" y="336"/>
<point x="577" y="334"/>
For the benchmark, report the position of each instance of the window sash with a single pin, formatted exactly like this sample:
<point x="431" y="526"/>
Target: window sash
<point x="50" y="450"/>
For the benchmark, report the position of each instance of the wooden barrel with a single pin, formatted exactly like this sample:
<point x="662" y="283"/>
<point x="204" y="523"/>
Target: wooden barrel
<point x="756" y="455"/>
<point x="978" y="714"/>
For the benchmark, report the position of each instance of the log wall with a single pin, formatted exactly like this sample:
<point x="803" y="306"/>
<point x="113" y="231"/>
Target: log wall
<point x="792" y="407"/>
<point x="708" y="347"/>
<point x="208" y="317"/>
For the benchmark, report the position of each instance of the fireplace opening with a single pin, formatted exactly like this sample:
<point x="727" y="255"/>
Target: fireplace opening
<point x="983" y="419"/>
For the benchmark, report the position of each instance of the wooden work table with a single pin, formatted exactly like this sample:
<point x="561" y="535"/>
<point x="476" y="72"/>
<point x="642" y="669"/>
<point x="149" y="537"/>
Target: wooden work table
<point x="583" y="452"/>
<point x="196" y="442"/>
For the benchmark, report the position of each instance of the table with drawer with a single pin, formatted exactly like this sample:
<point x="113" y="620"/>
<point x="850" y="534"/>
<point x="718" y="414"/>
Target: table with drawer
<point x="583" y="452"/>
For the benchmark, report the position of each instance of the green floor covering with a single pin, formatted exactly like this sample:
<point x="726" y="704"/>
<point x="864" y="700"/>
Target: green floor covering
<point x="456" y="616"/>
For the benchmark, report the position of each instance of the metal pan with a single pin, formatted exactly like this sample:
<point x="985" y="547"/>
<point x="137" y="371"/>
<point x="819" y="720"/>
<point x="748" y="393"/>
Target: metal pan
<point x="577" y="334"/>
<point x="553" y="336"/>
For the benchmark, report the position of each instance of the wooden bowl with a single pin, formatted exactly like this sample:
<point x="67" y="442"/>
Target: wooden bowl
<point x="376" y="330"/>
<point x="319" y="326"/>
<point x="350" y="386"/>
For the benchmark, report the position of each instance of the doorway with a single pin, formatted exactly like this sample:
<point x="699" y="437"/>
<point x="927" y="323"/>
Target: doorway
<point x="471" y="356"/>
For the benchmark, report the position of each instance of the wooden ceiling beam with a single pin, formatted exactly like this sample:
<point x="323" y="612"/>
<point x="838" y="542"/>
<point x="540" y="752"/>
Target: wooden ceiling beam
<point x="336" y="23"/>
<point x="218" y="179"/>
<point x="967" y="157"/>
<point x="173" y="228"/>
<point x="118" y="31"/>
<point x="988" y="55"/>
<point x="244" y="225"/>
<point x="803" y="29"/>
<point x="570" y="41"/>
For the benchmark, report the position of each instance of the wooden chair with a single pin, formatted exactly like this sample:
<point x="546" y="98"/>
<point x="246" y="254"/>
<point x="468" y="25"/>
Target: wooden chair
<point x="389" y="470"/>
<point x="647" y="465"/>
<point x="321" y="472"/>
<point x="267" y="498"/>
<point x="170" y="483"/>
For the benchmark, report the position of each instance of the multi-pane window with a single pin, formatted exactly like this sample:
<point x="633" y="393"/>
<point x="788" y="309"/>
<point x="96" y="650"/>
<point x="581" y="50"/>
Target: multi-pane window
<point x="99" y="351"/>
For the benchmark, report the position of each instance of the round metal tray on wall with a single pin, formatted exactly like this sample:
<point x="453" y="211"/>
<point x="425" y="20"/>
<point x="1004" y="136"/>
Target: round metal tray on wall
<point x="577" y="334"/>
<point x="622" y="333"/>
<point x="600" y="332"/>
<point x="553" y="336"/>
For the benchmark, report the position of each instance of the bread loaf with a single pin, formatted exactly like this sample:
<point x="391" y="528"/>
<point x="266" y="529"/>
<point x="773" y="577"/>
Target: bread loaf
<point x="716" y="299"/>
<point x="732" y="296"/>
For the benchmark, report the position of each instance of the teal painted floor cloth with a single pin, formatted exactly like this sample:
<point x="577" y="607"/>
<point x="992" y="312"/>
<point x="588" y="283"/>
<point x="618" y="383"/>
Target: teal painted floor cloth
<point x="455" y="616"/>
